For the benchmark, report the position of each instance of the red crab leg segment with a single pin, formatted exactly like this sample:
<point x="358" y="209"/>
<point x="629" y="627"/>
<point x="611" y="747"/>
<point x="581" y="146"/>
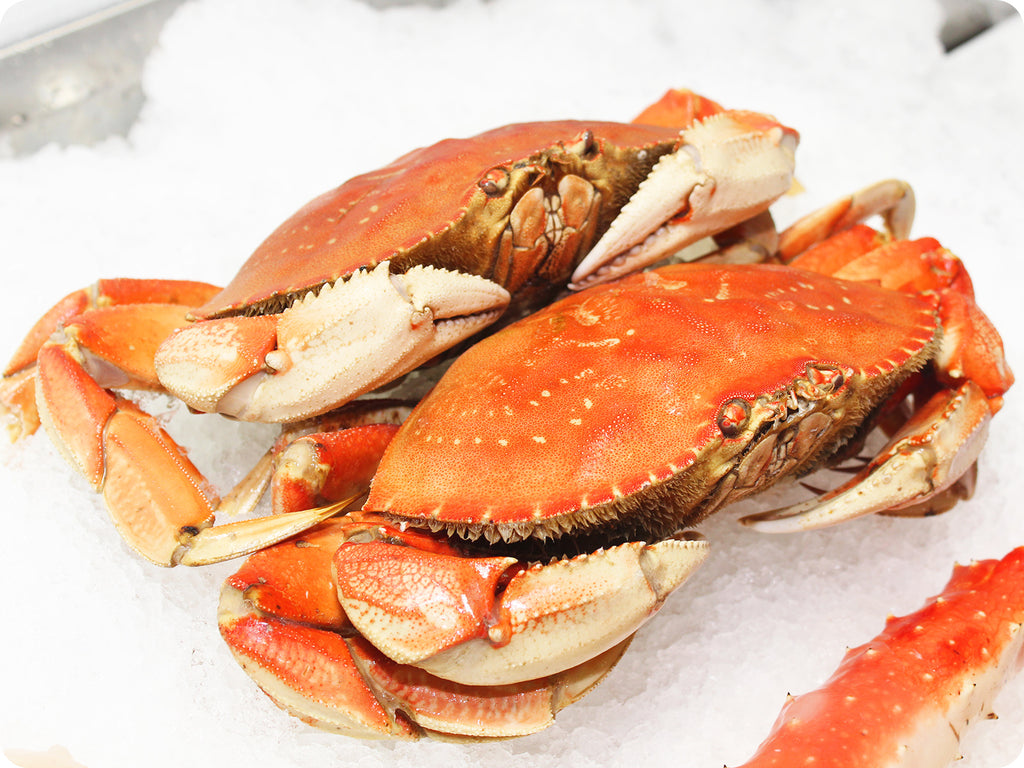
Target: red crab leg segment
<point x="729" y="167"/>
<point x="446" y="614"/>
<point x="282" y="620"/>
<point x="17" y="388"/>
<point x="943" y="438"/>
<point x="905" y="698"/>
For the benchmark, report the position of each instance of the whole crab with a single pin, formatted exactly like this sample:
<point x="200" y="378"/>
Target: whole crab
<point x="367" y="282"/>
<point x="534" y="509"/>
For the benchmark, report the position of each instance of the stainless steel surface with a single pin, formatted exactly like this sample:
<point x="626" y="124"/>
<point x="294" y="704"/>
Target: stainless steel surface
<point x="81" y="82"/>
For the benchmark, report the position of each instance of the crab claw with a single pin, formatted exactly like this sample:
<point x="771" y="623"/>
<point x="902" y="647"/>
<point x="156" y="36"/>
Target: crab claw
<point x="281" y="618"/>
<point x="442" y="613"/>
<point x="330" y="346"/>
<point x="728" y="167"/>
<point x="933" y="450"/>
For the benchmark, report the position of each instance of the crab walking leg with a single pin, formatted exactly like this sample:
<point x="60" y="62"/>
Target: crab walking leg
<point x="281" y="618"/>
<point x="923" y="461"/>
<point x="159" y="502"/>
<point x="17" y="387"/>
<point x="314" y="477"/>
<point x="729" y="167"/>
<point x="904" y="698"/>
<point x="446" y="614"/>
<point x="891" y="199"/>
<point x="329" y="347"/>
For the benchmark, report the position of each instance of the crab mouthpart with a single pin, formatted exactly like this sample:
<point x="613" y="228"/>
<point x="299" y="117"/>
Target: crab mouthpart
<point x="334" y="344"/>
<point x="727" y="168"/>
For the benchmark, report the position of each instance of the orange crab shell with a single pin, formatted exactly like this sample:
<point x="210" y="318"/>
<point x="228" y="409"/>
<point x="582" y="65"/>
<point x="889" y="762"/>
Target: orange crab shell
<point x="423" y="196"/>
<point x="609" y="391"/>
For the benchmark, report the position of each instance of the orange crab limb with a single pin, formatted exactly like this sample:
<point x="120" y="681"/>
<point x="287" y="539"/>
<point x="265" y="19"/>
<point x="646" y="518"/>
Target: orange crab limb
<point x="727" y="168"/>
<point x="329" y="347"/>
<point x="906" y="697"/>
<point x="678" y="107"/>
<point x="892" y="199"/>
<point x="159" y="502"/>
<point x="17" y="388"/>
<point x="934" y="449"/>
<point x="106" y="293"/>
<point x="453" y="709"/>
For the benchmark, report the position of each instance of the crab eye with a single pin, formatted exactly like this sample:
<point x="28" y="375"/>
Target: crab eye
<point x="589" y="145"/>
<point x="494" y="182"/>
<point x="733" y="417"/>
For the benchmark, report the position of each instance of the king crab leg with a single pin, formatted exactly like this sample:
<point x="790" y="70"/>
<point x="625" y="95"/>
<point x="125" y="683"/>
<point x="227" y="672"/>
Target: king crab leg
<point x="905" y="697"/>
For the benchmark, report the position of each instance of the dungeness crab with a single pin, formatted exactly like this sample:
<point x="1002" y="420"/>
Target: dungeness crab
<point x="457" y="600"/>
<point x="368" y="282"/>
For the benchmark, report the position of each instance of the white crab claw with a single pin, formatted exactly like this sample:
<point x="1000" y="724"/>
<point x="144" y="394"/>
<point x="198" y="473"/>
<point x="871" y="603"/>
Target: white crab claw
<point x="355" y="336"/>
<point x="728" y="168"/>
<point x="548" y="619"/>
<point x="935" y="448"/>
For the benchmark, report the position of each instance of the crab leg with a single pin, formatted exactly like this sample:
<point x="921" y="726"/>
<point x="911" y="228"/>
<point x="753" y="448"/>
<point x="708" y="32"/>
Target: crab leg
<point x="446" y="613"/>
<point x="891" y="199"/>
<point x="17" y="388"/>
<point x="923" y="461"/>
<point x="159" y="502"/>
<point x="678" y="107"/>
<point x="905" y="697"/>
<point x="281" y="617"/>
<point x="328" y="466"/>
